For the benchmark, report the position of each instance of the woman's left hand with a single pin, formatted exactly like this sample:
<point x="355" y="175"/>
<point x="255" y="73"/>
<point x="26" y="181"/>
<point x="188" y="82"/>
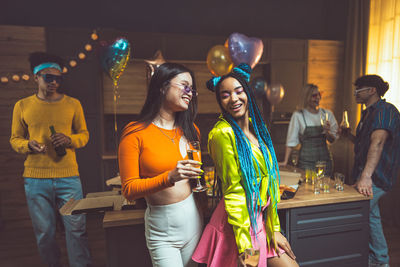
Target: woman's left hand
<point x="282" y="242"/>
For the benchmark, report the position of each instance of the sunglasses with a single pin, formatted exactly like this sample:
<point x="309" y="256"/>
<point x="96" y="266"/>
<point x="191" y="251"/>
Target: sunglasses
<point x="48" y="78"/>
<point x="316" y="95"/>
<point x="361" y="89"/>
<point x="186" y="89"/>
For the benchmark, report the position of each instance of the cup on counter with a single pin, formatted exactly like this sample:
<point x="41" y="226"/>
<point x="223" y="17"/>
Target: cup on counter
<point x="325" y="184"/>
<point x="316" y="184"/>
<point x="339" y="181"/>
<point x="308" y="176"/>
<point x="313" y="176"/>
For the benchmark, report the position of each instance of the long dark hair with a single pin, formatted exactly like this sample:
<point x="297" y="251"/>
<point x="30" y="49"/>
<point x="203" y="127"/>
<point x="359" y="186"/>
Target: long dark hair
<point x="154" y="99"/>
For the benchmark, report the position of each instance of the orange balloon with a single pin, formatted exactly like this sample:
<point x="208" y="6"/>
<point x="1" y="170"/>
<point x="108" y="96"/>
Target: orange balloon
<point x="275" y="93"/>
<point x="218" y="60"/>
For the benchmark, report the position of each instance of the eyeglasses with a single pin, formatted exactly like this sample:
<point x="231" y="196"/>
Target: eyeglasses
<point x="316" y="95"/>
<point x="48" y="78"/>
<point x="186" y="89"/>
<point x="361" y="89"/>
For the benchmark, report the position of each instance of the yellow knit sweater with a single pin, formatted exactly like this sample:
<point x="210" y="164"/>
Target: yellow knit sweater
<point x="31" y="120"/>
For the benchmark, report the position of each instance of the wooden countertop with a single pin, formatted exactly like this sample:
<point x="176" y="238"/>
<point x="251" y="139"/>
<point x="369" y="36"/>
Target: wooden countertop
<point x="305" y="197"/>
<point x="123" y="218"/>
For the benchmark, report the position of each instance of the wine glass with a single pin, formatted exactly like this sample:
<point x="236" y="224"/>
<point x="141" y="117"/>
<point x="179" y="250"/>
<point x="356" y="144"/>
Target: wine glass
<point x="193" y="152"/>
<point x="324" y="119"/>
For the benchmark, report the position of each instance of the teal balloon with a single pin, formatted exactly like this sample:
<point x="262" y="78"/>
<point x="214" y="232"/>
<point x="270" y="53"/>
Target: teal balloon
<point x="115" y="57"/>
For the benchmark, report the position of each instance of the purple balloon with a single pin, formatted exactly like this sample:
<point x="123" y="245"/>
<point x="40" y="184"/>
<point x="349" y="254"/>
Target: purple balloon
<point x="245" y="49"/>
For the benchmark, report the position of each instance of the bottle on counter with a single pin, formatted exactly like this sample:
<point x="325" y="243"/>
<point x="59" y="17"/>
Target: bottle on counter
<point x="60" y="150"/>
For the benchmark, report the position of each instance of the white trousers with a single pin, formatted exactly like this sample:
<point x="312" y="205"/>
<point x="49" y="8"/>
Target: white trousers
<point x="172" y="233"/>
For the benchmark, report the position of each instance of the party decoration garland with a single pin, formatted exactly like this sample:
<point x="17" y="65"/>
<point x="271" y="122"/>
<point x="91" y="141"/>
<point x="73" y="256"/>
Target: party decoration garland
<point x="25" y="77"/>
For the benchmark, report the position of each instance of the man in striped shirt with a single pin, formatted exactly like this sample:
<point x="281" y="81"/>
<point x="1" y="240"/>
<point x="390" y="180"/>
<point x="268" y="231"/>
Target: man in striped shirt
<point x="377" y="155"/>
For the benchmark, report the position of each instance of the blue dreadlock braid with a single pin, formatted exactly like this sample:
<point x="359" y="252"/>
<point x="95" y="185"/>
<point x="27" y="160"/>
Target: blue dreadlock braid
<point x="249" y="174"/>
<point x="264" y="138"/>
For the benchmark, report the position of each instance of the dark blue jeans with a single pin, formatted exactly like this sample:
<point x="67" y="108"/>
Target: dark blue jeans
<point x="45" y="197"/>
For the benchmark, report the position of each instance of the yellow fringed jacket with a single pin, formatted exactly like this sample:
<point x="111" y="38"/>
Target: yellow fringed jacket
<point x="222" y="148"/>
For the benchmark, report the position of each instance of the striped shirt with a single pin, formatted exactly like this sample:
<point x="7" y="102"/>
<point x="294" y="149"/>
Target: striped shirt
<point x="380" y="115"/>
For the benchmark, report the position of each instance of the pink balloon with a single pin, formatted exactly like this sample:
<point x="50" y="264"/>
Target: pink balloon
<point x="245" y="49"/>
<point x="275" y="93"/>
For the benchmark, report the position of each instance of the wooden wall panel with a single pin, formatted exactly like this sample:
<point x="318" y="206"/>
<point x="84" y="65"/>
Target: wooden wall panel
<point x="15" y="45"/>
<point x="325" y="69"/>
<point x="132" y="88"/>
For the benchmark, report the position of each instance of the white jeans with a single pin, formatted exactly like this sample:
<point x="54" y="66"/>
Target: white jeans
<point x="172" y="233"/>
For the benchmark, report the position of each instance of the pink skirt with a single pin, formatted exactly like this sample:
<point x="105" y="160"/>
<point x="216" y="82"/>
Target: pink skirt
<point x="217" y="246"/>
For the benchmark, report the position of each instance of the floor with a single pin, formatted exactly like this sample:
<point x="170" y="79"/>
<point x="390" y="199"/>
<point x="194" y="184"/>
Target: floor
<point x="18" y="248"/>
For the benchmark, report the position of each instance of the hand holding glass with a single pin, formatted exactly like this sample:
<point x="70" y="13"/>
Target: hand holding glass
<point x="193" y="153"/>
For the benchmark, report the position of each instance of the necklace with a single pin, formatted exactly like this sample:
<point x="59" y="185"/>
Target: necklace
<point x="172" y="139"/>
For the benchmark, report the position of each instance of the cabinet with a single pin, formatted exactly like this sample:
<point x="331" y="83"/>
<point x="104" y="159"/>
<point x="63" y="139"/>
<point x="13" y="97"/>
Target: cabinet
<point x="329" y="235"/>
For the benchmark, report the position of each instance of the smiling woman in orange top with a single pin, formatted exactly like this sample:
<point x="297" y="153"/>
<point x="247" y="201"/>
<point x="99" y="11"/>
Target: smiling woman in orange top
<point x="153" y="164"/>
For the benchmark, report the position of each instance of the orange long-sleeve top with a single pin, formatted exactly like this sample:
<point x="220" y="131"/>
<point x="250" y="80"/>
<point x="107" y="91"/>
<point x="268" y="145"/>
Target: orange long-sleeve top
<point x="145" y="159"/>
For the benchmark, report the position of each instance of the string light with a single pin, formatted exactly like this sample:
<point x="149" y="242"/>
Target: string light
<point x="16" y="78"/>
<point x="25" y="77"/>
<point x="72" y="63"/>
<point x="4" y="80"/>
<point x="94" y="36"/>
<point x="82" y="56"/>
<point x="88" y="47"/>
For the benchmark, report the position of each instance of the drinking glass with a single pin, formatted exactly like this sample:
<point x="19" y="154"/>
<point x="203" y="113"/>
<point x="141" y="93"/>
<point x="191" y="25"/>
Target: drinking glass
<point x="320" y="167"/>
<point x="339" y="181"/>
<point x="317" y="184"/>
<point x="193" y="152"/>
<point x="209" y="178"/>
<point x="251" y="256"/>
<point x="324" y="118"/>
<point x="308" y="176"/>
<point x="325" y="184"/>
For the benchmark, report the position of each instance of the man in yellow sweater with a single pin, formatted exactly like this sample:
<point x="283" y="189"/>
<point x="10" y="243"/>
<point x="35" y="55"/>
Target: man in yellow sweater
<point x="51" y="178"/>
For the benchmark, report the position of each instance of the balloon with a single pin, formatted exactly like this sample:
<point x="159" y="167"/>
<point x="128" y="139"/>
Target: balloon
<point x="275" y="93"/>
<point x="245" y="49"/>
<point x="114" y="58"/>
<point x="259" y="86"/>
<point x="218" y="61"/>
<point x="153" y="63"/>
<point x="226" y="44"/>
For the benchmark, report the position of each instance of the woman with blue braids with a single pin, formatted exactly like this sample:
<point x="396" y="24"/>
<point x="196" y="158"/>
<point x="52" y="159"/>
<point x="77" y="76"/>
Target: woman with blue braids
<point x="246" y="165"/>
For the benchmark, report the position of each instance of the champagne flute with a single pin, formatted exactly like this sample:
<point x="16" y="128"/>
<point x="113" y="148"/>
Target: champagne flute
<point x="193" y="153"/>
<point x="295" y="160"/>
<point x="324" y="119"/>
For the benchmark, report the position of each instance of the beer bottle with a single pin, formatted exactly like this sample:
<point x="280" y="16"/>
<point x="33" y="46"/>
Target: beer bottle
<point x="344" y="125"/>
<point x="60" y="150"/>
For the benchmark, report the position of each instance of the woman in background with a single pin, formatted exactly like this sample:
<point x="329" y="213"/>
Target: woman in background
<point x="311" y="127"/>
<point x="245" y="162"/>
<point x="153" y="164"/>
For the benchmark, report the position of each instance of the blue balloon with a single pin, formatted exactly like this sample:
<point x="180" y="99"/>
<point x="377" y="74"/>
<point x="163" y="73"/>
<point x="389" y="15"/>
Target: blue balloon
<point x="115" y="57"/>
